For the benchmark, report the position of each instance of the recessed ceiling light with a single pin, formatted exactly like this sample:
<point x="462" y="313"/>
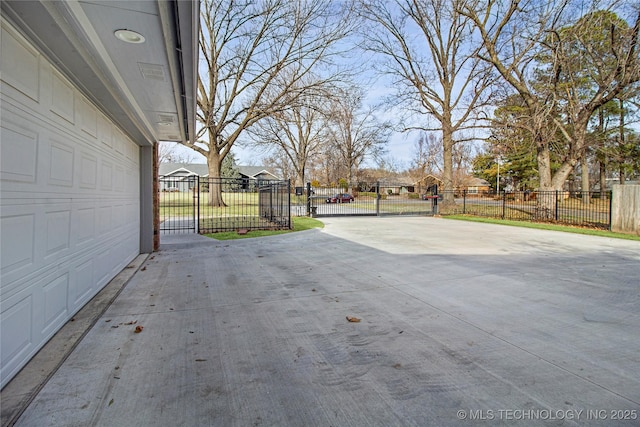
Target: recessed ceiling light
<point x="129" y="36"/>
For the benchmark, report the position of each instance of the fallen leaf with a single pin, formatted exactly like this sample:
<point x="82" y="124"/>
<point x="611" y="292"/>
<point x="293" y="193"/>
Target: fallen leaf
<point x="133" y="322"/>
<point x="144" y="268"/>
<point x="139" y="329"/>
<point x="353" y="319"/>
<point x="111" y="402"/>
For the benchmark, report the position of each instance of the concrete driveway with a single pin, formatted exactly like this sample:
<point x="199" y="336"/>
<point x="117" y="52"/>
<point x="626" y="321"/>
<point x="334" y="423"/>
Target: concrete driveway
<point x="461" y="324"/>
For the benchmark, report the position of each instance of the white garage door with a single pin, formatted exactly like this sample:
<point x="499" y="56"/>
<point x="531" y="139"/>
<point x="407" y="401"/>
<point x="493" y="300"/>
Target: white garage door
<point x="70" y="212"/>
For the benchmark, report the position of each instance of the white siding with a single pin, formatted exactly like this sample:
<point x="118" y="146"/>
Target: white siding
<point x="69" y="204"/>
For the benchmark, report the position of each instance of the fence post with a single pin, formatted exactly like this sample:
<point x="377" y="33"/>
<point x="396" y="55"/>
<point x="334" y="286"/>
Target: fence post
<point x="557" y="203"/>
<point x="610" y="193"/>
<point x="289" y="203"/>
<point x="504" y="203"/>
<point x="464" y="201"/>
<point x="197" y="210"/>
<point x="308" y="198"/>
<point x="377" y="198"/>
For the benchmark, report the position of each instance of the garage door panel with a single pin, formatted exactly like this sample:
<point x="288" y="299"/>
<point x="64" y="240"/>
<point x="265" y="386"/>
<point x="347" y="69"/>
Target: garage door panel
<point x="23" y="71"/>
<point x="18" y="152"/>
<point x="55" y="304"/>
<point x="61" y="164"/>
<point x="16" y="331"/>
<point x="58" y="232"/>
<point x="81" y="289"/>
<point x="62" y="97"/>
<point x="85" y="219"/>
<point x="18" y="249"/>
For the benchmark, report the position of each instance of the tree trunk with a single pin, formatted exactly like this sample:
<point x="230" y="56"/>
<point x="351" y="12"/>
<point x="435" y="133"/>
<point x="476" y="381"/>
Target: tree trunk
<point x="584" y="180"/>
<point x="603" y="178"/>
<point x="299" y="182"/>
<point x="546" y="200"/>
<point x="214" y="163"/>
<point x="447" y="171"/>
<point x="603" y="155"/>
<point x="621" y="143"/>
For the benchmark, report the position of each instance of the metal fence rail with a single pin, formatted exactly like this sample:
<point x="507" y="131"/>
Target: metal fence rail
<point x="584" y="208"/>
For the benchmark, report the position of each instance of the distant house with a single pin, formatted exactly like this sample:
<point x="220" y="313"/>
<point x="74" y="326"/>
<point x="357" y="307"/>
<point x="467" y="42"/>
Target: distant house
<point x="476" y="185"/>
<point x="257" y="173"/>
<point x="181" y="176"/>
<point x="425" y="184"/>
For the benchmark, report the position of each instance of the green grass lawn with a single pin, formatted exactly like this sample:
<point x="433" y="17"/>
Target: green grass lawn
<point x="300" y="223"/>
<point x="182" y="204"/>
<point x="545" y="226"/>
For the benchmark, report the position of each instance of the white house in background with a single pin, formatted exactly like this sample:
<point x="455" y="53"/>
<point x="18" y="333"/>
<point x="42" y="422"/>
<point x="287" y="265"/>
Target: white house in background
<point x="174" y="176"/>
<point x="257" y="173"/>
<point x="178" y="176"/>
<point x="87" y="89"/>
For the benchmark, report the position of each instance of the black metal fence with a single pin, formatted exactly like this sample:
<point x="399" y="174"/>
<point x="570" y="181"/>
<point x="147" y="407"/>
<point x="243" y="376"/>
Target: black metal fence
<point x="177" y="202"/>
<point x="368" y="199"/>
<point x="209" y="205"/>
<point x="583" y="208"/>
<point x="274" y="202"/>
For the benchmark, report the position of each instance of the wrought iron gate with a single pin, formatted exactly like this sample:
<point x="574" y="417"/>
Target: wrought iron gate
<point x="371" y="199"/>
<point x="178" y="204"/>
<point x="208" y="205"/>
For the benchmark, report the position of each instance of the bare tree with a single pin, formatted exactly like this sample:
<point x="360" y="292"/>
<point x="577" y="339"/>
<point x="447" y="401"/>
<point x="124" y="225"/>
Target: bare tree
<point x="255" y="56"/>
<point x="281" y="163"/>
<point x="427" y="157"/>
<point x="520" y="36"/>
<point x="430" y="52"/>
<point x="354" y="132"/>
<point x="298" y="131"/>
<point x="168" y="153"/>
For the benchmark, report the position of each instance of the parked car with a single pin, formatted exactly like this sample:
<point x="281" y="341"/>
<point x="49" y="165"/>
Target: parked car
<point x="340" y="198"/>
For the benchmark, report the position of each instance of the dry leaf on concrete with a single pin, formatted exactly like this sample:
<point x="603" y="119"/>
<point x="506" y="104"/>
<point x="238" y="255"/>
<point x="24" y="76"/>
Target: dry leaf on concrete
<point x="353" y="319"/>
<point x="139" y="329"/>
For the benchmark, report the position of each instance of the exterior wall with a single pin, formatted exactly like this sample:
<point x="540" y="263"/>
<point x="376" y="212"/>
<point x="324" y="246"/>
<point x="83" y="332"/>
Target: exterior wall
<point x="625" y="209"/>
<point x="69" y="201"/>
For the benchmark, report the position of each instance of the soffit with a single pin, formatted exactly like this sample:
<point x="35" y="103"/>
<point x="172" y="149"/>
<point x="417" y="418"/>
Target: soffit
<point x="147" y="88"/>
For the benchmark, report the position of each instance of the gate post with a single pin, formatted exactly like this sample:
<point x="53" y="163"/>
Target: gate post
<point x="289" y="205"/>
<point x="196" y="211"/>
<point x="464" y="201"/>
<point x="377" y="198"/>
<point x="308" y="198"/>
